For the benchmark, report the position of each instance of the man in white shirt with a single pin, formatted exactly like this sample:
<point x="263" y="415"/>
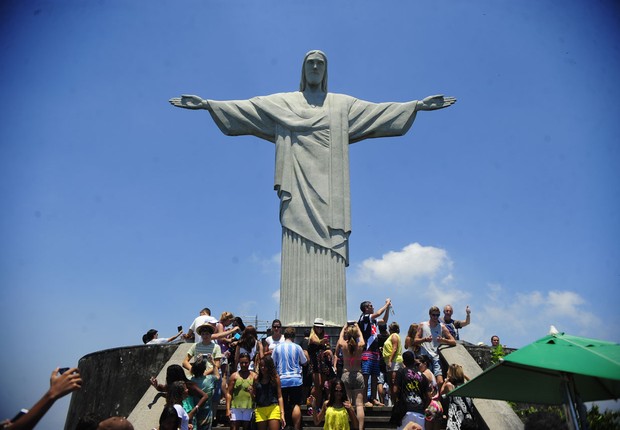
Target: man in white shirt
<point x="205" y="316"/>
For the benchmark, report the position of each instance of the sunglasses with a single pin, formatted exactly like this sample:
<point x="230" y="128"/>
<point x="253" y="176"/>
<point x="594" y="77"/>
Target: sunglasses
<point x="435" y="315"/>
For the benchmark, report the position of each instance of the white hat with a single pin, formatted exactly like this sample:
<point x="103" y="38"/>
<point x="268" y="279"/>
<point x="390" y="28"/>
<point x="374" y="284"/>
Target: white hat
<point x="319" y="322"/>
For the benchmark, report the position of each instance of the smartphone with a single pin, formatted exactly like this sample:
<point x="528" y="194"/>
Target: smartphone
<point x="179" y="328"/>
<point x="62" y="370"/>
<point x="19" y="415"/>
<point x="351" y="322"/>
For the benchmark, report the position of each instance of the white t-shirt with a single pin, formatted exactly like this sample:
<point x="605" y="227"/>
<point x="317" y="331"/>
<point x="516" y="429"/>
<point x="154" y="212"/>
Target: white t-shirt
<point x="184" y="417"/>
<point x="157" y="341"/>
<point x="200" y="320"/>
<point x="272" y="343"/>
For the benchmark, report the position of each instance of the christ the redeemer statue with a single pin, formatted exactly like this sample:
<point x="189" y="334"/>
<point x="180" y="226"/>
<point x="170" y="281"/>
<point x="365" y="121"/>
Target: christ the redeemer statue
<point x="312" y="130"/>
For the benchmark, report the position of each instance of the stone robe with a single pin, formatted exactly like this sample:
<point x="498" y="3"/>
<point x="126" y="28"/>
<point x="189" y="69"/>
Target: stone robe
<point x="312" y="182"/>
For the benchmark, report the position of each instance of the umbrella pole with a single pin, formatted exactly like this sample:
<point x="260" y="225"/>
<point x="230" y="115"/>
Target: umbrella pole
<point x="571" y="417"/>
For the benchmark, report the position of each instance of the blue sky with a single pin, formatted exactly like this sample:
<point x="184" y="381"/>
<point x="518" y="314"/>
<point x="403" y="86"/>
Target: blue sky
<point x="122" y="213"/>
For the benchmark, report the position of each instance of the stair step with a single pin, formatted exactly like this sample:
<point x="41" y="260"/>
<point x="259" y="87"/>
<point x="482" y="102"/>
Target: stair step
<point x="375" y="418"/>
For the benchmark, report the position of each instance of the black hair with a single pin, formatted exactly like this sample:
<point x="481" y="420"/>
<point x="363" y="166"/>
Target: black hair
<point x="364" y="305"/>
<point x="174" y="373"/>
<point x="198" y="368"/>
<point x="175" y="392"/>
<point x="332" y="391"/>
<point x="408" y="358"/>
<point x="238" y="322"/>
<point x="169" y="419"/>
<point x="88" y="422"/>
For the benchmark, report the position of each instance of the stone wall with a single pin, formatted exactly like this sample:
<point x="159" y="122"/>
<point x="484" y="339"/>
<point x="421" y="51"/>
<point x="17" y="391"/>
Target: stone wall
<point x="114" y="380"/>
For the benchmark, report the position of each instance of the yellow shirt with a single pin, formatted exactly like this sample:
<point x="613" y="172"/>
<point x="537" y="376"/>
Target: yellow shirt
<point x="336" y="419"/>
<point x="387" y="350"/>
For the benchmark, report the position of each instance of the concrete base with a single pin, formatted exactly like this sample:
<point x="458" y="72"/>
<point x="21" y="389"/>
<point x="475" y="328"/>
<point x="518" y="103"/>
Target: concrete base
<point x="114" y="380"/>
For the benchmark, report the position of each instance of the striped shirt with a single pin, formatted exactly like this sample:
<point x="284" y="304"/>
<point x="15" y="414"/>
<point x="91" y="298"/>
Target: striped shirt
<point x="288" y="358"/>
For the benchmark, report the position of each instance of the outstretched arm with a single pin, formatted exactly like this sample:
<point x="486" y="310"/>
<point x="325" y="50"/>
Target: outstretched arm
<point x="187" y="101"/>
<point x="435" y="102"/>
<point x="60" y="385"/>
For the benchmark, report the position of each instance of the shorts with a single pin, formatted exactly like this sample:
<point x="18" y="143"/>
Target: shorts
<point x="353" y="380"/>
<point x="241" y="414"/>
<point x="436" y="366"/>
<point x="414" y="417"/>
<point x="291" y="396"/>
<point x="370" y="363"/>
<point x="395" y="366"/>
<point x="266" y="413"/>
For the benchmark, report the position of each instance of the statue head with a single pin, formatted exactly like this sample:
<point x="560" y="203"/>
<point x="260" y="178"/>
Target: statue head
<point x="309" y="58"/>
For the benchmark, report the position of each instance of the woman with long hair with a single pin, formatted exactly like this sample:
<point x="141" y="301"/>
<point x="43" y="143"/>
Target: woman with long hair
<point x="337" y="409"/>
<point x="267" y="393"/>
<point x="175" y="373"/>
<point x="238" y="397"/>
<point x="409" y="339"/>
<point x="224" y="338"/>
<point x="352" y="344"/>
<point x="249" y="344"/>
<point x="459" y="409"/>
<point x="176" y="393"/>
<point x="317" y="343"/>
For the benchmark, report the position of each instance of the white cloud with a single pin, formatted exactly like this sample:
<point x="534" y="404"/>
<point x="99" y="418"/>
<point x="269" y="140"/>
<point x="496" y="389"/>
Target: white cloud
<point x="418" y="276"/>
<point x="521" y="318"/>
<point x="412" y="263"/>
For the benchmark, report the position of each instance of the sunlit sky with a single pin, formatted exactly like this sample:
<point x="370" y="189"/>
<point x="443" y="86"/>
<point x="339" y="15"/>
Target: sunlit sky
<point x="122" y="213"/>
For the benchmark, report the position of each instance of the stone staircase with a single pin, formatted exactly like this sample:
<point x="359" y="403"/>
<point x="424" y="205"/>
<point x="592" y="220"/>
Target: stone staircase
<point x="376" y="418"/>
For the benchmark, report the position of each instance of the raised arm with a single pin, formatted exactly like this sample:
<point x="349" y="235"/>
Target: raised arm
<point x="187" y="101"/>
<point x="385" y="310"/>
<point x="60" y="385"/>
<point x="435" y="102"/>
<point x="463" y="323"/>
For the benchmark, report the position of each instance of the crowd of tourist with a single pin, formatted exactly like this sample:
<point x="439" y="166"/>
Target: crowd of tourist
<point x="263" y="382"/>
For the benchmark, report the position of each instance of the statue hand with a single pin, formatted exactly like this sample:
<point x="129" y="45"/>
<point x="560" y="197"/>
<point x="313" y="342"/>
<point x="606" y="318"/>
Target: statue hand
<point x="435" y="102"/>
<point x="189" y="102"/>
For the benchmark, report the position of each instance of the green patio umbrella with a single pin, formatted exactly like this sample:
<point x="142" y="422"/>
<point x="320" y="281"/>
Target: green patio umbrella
<point x="557" y="369"/>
